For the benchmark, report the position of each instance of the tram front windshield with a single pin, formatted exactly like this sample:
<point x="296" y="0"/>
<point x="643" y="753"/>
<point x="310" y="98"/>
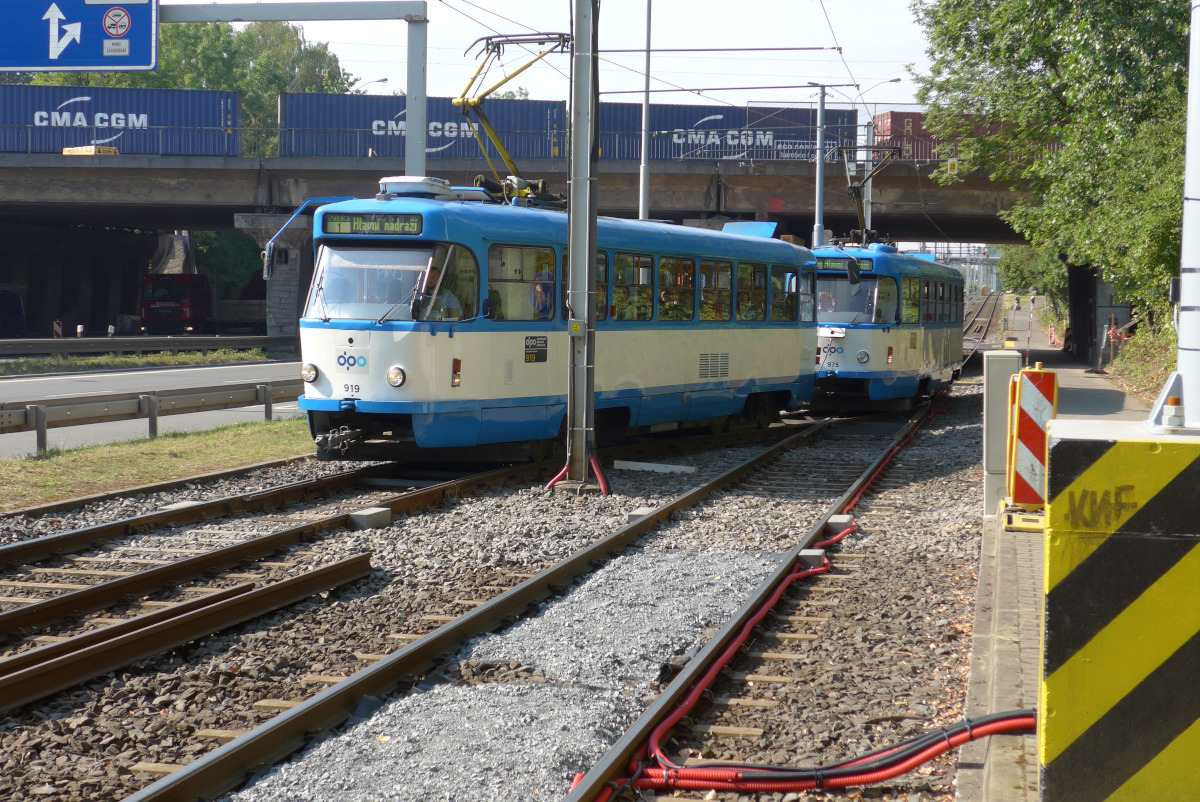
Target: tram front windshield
<point x="362" y="284"/>
<point x="873" y="300"/>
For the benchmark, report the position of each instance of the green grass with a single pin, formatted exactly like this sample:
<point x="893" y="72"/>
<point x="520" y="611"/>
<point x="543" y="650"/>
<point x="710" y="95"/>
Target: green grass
<point x="58" y="475"/>
<point x="1145" y="361"/>
<point x="69" y="364"/>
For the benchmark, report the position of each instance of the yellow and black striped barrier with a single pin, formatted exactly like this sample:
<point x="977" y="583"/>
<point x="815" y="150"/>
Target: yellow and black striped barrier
<point x="1119" y="714"/>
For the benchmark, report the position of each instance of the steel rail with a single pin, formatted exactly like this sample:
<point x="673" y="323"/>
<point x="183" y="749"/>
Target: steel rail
<point x="52" y="651"/>
<point x="225" y="767"/>
<point x="614" y="764"/>
<point x="45" y="613"/>
<point x="27" y="551"/>
<point x="995" y="298"/>
<point x="66" y="542"/>
<point x="975" y="316"/>
<point x="65" y="671"/>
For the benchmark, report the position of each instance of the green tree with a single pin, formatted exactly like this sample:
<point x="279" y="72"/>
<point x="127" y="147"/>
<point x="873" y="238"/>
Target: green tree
<point x="1023" y="267"/>
<point x="230" y="259"/>
<point x="1080" y="103"/>
<point x="273" y="58"/>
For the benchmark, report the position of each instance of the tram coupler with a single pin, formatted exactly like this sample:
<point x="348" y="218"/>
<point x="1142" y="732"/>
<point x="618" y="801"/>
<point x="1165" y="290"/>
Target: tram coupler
<point x="338" y="440"/>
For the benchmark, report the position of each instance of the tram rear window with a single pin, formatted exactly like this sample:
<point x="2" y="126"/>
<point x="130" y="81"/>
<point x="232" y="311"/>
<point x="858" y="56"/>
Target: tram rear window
<point x="371" y="223"/>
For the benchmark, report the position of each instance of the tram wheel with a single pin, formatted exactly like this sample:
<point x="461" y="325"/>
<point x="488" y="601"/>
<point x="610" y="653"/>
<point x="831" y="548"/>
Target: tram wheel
<point x="540" y="449"/>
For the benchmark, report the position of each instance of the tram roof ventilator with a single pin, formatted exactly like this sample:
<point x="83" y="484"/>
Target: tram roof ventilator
<point x="414" y="186"/>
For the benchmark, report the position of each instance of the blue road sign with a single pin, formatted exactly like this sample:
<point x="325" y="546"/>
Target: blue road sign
<point x="79" y="35"/>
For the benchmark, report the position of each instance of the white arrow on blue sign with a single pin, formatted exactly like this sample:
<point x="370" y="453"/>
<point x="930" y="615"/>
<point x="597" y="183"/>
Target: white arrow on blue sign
<point x="79" y="36"/>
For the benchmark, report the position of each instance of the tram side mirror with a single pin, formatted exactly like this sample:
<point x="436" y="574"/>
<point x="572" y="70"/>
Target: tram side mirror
<point x="852" y="275"/>
<point x="489" y="308"/>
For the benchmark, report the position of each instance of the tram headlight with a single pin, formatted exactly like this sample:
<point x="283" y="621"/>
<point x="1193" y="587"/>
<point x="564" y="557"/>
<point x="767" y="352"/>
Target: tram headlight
<point x="396" y="376"/>
<point x="308" y="372"/>
<point x="863" y="356"/>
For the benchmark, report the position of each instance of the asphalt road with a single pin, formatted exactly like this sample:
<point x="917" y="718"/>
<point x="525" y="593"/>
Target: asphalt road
<point x="71" y="385"/>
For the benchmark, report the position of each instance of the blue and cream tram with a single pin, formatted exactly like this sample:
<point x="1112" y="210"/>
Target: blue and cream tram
<point x="438" y="322"/>
<point x="894" y="334"/>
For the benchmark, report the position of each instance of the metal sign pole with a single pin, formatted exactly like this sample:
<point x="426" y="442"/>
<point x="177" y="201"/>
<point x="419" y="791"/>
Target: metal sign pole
<point x="818" y="236"/>
<point x="581" y="247"/>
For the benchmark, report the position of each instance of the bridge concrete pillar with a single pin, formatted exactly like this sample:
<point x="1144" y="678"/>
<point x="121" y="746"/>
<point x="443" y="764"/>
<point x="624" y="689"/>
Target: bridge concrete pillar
<point x="293" y="268"/>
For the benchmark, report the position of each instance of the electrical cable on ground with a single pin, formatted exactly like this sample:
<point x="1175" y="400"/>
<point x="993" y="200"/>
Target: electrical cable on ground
<point x="655" y="770"/>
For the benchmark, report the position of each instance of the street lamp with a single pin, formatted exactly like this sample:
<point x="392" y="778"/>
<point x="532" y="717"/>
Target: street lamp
<point x="359" y="87"/>
<point x="871" y="155"/>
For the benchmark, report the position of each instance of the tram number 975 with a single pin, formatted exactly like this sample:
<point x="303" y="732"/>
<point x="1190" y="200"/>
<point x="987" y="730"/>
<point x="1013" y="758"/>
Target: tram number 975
<point x="350" y="388"/>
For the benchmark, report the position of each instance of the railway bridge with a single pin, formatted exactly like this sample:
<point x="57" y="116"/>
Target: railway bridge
<point x="79" y="231"/>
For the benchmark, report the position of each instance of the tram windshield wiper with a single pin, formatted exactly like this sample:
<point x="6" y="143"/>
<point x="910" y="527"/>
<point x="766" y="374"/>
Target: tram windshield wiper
<point x="320" y="296"/>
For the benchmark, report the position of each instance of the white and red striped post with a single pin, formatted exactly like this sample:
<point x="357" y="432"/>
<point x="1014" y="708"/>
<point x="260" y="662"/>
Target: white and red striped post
<point x="58" y="328"/>
<point x="1036" y="406"/>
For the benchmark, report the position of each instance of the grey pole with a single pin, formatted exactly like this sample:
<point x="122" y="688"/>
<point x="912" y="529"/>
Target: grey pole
<point x="870" y="166"/>
<point x="414" y="12"/>
<point x="818" y="236"/>
<point x="1188" y="353"/>
<point x="581" y="247"/>
<point x="644" y="185"/>
<point x="417" y="129"/>
<point x="1184" y="383"/>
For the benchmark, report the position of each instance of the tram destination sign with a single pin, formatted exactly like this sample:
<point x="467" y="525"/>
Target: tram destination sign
<point x="371" y="223"/>
<point x="79" y="36"/>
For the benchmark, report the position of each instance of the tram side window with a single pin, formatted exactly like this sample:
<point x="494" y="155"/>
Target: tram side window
<point x="887" y="302"/>
<point x="784" y="292"/>
<point x="716" y="293"/>
<point x="941" y="298"/>
<point x="601" y="277"/>
<point x="926" y="302"/>
<point x="521" y="282"/>
<point x="633" y="287"/>
<point x="911" y="301"/>
<point x="751" y="292"/>
<point x="958" y="304"/>
<point x="676" y="289"/>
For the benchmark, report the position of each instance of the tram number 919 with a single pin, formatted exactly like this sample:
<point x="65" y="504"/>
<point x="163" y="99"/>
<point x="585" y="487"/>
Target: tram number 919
<point x="350" y="388"/>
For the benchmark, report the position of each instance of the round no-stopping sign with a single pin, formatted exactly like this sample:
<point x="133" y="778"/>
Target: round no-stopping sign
<point x="116" y="22"/>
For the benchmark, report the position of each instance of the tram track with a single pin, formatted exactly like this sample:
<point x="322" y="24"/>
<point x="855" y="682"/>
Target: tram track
<point x="977" y="329"/>
<point x="424" y="615"/>
<point x="287" y="731"/>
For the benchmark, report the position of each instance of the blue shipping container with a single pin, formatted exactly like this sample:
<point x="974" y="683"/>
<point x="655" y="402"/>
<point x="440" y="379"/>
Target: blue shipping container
<point x="753" y="133"/>
<point x="789" y="133"/>
<point x="160" y="122"/>
<point x="356" y="126"/>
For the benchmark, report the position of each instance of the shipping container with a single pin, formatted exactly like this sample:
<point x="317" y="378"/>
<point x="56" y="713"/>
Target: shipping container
<point x="679" y="132"/>
<point x="906" y="129"/>
<point x="620" y="131"/>
<point x="357" y="126"/>
<point x="789" y="133"/>
<point x="156" y="122"/>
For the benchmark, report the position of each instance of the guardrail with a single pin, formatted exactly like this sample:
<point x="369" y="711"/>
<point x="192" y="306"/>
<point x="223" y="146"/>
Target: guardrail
<point x="40" y="416"/>
<point x="143" y="345"/>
